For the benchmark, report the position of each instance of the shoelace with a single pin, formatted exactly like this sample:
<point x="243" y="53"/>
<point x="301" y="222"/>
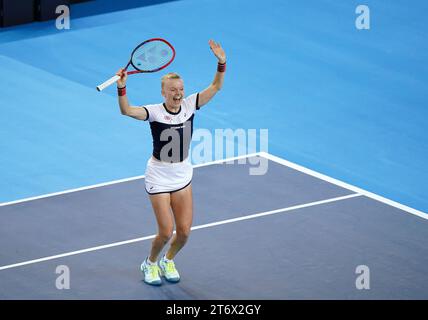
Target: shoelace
<point x="153" y="270"/>
<point x="170" y="267"/>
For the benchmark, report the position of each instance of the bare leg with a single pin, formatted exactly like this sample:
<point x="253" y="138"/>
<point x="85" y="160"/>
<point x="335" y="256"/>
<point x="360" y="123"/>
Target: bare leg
<point x="182" y="207"/>
<point x="162" y="209"/>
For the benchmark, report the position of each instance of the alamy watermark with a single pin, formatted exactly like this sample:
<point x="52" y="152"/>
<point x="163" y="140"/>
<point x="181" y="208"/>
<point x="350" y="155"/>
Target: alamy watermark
<point x="362" y="282"/>
<point x="63" y="280"/>
<point x="210" y="146"/>
<point x="362" y="22"/>
<point x="63" y="20"/>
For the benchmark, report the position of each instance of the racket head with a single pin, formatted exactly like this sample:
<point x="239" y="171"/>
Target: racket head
<point x="152" y="55"/>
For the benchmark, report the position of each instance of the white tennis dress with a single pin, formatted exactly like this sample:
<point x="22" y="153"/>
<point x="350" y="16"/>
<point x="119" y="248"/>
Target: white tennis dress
<point x="169" y="169"/>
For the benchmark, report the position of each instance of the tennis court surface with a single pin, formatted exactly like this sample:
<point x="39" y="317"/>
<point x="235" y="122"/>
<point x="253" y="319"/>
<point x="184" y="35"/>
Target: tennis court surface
<point x="345" y="102"/>
<point x="288" y="234"/>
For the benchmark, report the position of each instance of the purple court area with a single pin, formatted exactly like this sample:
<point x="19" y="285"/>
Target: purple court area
<point x="306" y="243"/>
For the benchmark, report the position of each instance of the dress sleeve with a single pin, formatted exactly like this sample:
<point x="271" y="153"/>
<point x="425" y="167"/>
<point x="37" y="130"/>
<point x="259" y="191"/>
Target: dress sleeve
<point x="191" y="102"/>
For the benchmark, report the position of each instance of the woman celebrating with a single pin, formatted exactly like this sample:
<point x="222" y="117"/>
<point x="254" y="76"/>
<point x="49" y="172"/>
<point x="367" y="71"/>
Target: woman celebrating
<point x="169" y="172"/>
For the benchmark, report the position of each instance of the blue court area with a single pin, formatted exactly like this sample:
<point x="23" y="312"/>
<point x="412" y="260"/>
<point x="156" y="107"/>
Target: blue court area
<point x="347" y="103"/>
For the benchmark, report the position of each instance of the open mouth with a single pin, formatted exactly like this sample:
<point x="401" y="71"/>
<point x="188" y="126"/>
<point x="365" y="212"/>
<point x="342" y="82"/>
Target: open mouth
<point x="177" y="98"/>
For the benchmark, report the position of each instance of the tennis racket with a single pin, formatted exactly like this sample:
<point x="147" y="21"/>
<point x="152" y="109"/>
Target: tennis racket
<point x="150" y="56"/>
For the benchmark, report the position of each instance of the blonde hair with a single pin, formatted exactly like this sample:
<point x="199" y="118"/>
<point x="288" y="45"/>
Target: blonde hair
<point x="171" y="75"/>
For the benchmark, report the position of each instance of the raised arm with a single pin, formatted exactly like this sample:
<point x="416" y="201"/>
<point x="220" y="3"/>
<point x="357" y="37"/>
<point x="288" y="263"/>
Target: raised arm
<point x="134" y="112"/>
<point x="206" y="95"/>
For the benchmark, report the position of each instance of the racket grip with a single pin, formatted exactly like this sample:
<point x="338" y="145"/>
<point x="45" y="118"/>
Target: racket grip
<point x="107" y="83"/>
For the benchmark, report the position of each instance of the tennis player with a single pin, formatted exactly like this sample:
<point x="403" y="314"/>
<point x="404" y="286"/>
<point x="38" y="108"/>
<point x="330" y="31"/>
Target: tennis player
<point x="169" y="172"/>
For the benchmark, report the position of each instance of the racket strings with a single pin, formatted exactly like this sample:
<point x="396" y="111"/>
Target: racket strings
<point x="152" y="55"/>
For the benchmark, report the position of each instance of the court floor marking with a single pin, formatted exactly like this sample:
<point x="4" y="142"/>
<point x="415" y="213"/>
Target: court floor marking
<point x="261" y="154"/>
<point x="108" y="183"/>
<point x="344" y="185"/>
<point x="203" y="226"/>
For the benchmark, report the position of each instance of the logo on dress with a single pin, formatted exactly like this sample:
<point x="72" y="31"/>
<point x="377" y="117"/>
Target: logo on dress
<point x="168" y="118"/>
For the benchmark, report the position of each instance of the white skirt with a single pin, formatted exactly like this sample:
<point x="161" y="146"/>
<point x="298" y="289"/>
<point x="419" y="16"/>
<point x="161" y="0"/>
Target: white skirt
<point x="164" y="177"/>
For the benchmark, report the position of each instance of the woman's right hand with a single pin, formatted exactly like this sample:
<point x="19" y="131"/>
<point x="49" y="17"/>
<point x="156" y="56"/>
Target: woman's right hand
<point x="123" y="76"/>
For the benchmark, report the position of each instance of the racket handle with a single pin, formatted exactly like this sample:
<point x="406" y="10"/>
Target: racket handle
<point x="107" y="83"/>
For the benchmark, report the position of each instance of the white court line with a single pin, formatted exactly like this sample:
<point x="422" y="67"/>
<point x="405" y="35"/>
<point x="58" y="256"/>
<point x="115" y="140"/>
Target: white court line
<point x="69" y="191"/>
<point x="203" y="226"/>
<point x="344" y="185"/>
<point x="262" y="154"/>
<point x="117" y="181"/>
<point x="266" y="155"/>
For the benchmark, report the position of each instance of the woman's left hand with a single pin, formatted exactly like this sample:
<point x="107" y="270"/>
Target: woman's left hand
<point x="218" y="51"/>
